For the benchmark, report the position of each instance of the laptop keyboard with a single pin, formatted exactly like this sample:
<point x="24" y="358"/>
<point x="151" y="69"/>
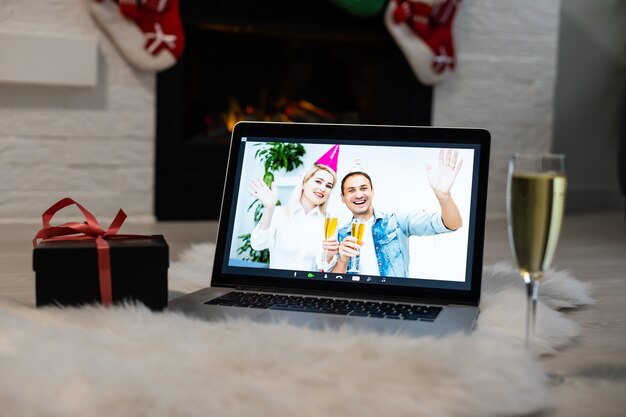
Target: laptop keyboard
<point x="304" y="304"/>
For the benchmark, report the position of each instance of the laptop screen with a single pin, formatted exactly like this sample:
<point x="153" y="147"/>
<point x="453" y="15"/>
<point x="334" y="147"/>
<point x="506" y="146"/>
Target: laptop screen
<point x="354" y="208"/>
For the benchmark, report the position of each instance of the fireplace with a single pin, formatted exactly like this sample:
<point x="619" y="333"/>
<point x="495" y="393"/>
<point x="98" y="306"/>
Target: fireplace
<point x="276" y="60"/>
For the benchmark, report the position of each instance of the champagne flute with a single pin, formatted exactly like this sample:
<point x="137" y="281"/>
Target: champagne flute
<point x="330" y="227"/>
<point x="357" y="231"/>
<point x="536" y="189"/>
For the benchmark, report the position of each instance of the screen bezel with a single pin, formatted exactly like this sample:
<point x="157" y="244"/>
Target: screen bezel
<point x="365" y="133"/>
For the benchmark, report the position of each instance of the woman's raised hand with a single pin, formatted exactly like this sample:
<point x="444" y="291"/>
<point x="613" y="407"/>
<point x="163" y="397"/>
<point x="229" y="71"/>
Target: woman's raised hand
<point x="260" y="191"/>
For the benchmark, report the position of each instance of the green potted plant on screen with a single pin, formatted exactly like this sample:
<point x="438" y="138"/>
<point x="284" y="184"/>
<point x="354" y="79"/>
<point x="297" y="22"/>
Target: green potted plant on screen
<point x="274" y="156"/>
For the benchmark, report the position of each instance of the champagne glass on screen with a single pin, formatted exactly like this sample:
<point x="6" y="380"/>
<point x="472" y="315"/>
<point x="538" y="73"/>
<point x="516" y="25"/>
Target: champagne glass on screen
<point x="358" y="230"/>
<point x="536" y="190"/>
<point x="330" y="227"/>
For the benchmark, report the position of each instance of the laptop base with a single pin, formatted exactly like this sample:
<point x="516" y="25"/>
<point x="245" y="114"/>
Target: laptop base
<point x="452" y="319"/>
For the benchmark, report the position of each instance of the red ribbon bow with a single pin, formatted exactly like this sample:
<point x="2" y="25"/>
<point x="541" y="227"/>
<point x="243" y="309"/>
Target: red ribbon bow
<point x="90" y="229"/>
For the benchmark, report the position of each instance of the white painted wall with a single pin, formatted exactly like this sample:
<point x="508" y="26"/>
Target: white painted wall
<point x="504" y="80"/>
<point x="97" y="144"/>
<point x="93" y="144"/>
<point x="588" y="100"/>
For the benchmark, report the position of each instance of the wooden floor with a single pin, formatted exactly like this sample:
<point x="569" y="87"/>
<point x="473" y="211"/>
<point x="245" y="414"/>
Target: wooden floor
<point x="592" y="247"/>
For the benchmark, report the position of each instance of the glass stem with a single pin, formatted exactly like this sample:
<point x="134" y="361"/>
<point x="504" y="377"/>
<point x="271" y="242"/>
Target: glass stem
<point x="529" y="294"/>
<point x="353" y="265"/>
<point x="535" y="297"/>
<point x="532" y="295"/>
<point x="325" y="260"/>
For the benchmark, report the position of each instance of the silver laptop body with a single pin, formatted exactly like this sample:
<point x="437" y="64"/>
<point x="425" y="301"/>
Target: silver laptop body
<point x="441" y="292"/>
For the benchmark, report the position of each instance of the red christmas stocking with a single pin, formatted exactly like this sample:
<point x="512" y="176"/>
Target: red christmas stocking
<point x="414" y="13"/>
<point x="148" y="33"/>
<point x="440" y="39"/>
<point x="129" y="8"/>
<point x="423" y="31"/>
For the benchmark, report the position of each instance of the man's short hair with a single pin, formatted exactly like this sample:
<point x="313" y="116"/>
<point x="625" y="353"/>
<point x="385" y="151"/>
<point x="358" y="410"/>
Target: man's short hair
<point x="351" y="174"/>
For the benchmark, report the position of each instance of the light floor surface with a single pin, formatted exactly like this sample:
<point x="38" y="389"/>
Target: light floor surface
<point x="592" y="247"/>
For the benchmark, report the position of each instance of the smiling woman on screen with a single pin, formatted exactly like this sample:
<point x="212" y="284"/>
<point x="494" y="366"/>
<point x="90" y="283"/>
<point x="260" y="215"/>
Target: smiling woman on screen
<point x="294" y="233"/>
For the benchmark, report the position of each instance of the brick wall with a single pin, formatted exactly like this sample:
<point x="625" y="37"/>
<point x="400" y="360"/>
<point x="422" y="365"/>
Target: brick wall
<point x="93" y="144"/>
<point x="97" y="144"/>
<point x="504" y="80"/>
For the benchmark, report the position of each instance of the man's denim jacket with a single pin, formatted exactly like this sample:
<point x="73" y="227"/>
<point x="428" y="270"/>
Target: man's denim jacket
<point x="391" y="232"/>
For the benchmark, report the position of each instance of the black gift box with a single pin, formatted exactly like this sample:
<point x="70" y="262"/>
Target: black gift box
<point x="66" y="271"/>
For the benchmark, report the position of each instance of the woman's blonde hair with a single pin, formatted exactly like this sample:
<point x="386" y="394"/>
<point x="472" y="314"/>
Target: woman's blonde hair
<point x="297" y="193"/>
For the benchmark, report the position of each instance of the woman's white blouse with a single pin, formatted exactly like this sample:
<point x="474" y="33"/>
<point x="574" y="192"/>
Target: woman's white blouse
<point x="294" y="241"/>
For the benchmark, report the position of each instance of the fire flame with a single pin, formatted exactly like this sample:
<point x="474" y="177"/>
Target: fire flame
<point x="301" y="110"/>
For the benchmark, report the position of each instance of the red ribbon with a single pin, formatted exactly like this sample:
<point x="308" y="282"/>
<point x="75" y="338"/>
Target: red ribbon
<point x="89" y="230"/>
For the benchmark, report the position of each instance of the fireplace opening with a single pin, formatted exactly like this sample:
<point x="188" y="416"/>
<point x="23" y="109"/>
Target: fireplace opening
<point x="241" y="64"/>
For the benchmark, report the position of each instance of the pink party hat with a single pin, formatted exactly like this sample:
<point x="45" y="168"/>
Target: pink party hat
<point x="330" y="158"/>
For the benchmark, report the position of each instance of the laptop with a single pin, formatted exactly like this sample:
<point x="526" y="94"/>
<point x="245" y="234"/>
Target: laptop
<point x="417" y="277"/>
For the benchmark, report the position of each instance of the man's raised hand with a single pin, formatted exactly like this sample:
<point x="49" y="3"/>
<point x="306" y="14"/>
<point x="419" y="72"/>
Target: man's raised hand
<point x="442" y="178"/>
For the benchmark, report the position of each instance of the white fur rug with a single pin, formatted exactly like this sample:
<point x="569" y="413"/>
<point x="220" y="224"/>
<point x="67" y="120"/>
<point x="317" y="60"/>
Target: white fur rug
<point x="128" y="361"/>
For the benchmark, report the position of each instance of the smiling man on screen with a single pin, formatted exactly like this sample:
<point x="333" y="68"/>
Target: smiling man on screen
<point x="384" y="249"/>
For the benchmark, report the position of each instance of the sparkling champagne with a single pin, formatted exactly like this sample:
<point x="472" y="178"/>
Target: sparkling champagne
<point x="536" y="206"/>
<point x="330" y="226"/>
<point x="358" y="229"/>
